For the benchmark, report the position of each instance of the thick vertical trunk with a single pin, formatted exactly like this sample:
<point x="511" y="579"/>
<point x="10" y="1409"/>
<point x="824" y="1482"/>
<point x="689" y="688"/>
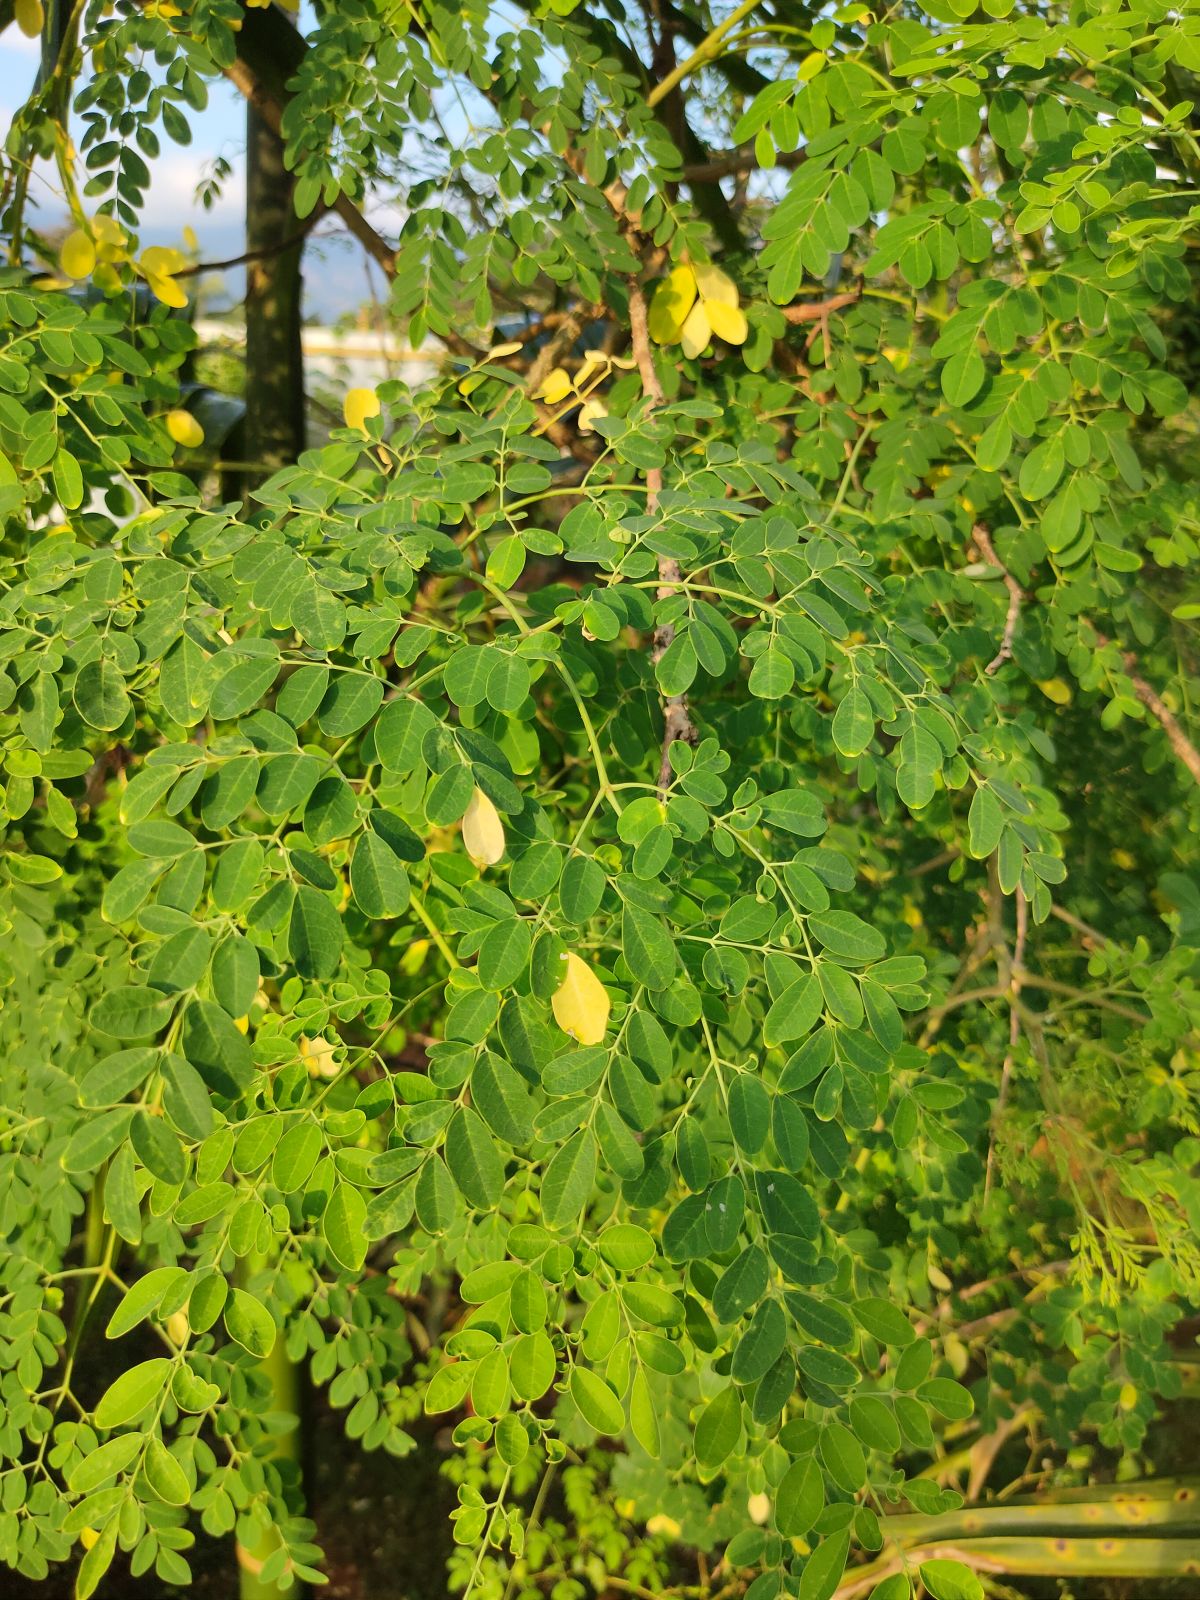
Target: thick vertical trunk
<point x="274" y="437"/>
<point x="274" y="370"/>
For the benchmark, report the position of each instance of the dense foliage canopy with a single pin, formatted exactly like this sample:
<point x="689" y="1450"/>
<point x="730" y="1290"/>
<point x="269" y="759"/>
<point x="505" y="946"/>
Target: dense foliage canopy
<point x="639" y="892"/>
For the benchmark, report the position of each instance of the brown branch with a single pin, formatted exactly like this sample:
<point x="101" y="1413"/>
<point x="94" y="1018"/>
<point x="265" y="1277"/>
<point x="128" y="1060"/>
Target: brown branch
<point x="727" y="163"/>
<point x="1029" y="980"/>
<point x="1015" y="596"/>
<point x="261" y="254"/>
<point x="819" y="310"/>
<point x="1162" y="714"/>
<point x="677" y="722"/>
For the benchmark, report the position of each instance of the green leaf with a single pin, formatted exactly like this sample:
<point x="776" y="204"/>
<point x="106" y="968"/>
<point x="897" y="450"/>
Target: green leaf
<point x="314" y="934"/>
<point x="142" y="1299"/>
<point x="853" y="722"/>
<point x="847" y="937"/>
<point x="962" y="376"/>
<point x="106" y="1461"/>
<point x="597" y="1404"/>
<point x="504" y="954"/>
<point x="761" y="1344"/>
<point x="378" y="879"/>
<point x="800" y="1498"/>
<point x="475" y="1163"/>
<point x="296" y="1155"/>
<point x="1042" y="468"/>
<point x="626" y="1247"/>
<point x="823" y="1569"/>
<point x="985" y="823"/>
<point x="501" y="1097"/>
<point x="249" y="1323"/>
<point x="100" y="696"/>
<point x="581" y="889"/>
<point x="950" y="1580"/>
<point x="567" y="1184"/>
<point x="343" y="1226"/>
<point x="647" y="947"/>
<point x="885" y="1321"/>
<point x="132" y="1393"/>
<point x="643" y="1415"/>
<point x="794" y="1012"/>
<point x="718" y="1429"/>
<point x="164" y="1474"/>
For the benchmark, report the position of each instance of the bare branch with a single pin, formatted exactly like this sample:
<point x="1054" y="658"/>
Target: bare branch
<point x="819" y="310"/>
<point x="1015" y="596"/>
<point x="1162" y="714"/>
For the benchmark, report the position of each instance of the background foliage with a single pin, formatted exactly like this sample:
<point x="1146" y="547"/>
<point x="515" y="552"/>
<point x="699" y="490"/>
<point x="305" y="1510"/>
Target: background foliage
<point x="642" y="891"/>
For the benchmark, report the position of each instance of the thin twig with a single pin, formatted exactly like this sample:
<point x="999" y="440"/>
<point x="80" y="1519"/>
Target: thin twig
<point x="819" y="310"/>
<point x="1014" y="1031"/>
<point x="1015" y="596"/>
<point x="1162" y="714"/>
<point x="677" y="722"/>
<point x="260" y="254"/>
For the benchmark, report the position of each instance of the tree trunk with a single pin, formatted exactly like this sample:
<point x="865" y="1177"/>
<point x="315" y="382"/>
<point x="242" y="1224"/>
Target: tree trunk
<point x="274" y="363"/>
<point x="274" y="437"/>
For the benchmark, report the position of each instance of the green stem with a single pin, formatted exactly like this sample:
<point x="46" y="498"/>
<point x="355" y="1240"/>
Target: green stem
<point x="704" y="51"/>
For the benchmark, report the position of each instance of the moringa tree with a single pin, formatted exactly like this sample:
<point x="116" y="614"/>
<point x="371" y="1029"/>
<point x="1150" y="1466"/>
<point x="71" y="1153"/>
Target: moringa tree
<point x="638" y="892"/>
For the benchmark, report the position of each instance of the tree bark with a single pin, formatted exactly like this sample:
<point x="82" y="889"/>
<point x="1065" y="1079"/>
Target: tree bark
<point x="274" y="360"/>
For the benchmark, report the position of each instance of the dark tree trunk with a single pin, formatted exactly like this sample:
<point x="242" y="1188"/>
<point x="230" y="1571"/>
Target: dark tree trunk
<point x="274" y="363"/>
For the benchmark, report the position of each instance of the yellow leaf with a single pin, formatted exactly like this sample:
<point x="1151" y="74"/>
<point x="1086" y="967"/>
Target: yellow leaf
<point x="1055" y="689"/>
<point x="30" y="17"/>
<point x="758" y="1508"/>
<point x="88" y="1537"/>
<point x="483" y="831"/>
<point x="178" y="1327"/>
<point x="672" y="301"/>
<point x="580" y="1003"/>
<point x="358" y="405"/>
<point x="556" y="386"/>
<point x="78" y="255"/>
<point x="727" y="321"/>
<point x="697" y="330"/>
<point x="661" y="1523"/>
<point x="318" y="1057"/>
<point x="499" y="351"/>
<point x="161" y="260"/>
<point x="166" y="289"/>
<point x="106" y="277"/>
<point x="109" y="237"/>
<point x="588" y="412"/>
<point x="184" y="429"/>
<point x="714" y="284"/>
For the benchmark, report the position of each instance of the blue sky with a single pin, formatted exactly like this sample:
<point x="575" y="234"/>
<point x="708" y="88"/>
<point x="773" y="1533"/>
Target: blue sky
<point x="335" y="279"/>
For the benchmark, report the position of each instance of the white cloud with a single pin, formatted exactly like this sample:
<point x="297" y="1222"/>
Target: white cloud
<point x="172" y="201"/>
